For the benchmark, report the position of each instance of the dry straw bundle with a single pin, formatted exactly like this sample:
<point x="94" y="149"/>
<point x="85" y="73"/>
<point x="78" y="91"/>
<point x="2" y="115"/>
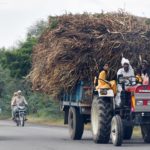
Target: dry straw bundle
<point x="74" y="45"/>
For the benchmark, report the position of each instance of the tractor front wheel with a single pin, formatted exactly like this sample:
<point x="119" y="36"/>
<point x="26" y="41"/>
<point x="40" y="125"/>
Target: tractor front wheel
<point x="117" y="131"/>
<point x="101" y="115"/>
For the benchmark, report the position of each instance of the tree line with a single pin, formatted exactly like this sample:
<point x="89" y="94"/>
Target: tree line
<point x="15" y="64"/>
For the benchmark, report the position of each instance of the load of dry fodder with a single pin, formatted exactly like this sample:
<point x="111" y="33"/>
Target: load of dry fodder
<point x="73" y="45"/>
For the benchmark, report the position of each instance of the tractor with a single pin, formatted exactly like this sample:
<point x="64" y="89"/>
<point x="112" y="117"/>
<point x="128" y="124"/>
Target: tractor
<point x="117" y="122"/>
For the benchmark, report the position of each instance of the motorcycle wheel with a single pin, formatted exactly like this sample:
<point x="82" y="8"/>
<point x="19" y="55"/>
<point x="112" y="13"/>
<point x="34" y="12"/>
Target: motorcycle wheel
<point x="22" y="120"/>
<point x="17" y="122"/>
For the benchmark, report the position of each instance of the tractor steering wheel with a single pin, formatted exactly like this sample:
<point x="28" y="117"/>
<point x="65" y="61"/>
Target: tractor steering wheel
<point x="132" y="81"/>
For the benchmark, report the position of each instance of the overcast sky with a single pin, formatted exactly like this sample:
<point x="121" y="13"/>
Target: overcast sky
<point x="17" y="15"/>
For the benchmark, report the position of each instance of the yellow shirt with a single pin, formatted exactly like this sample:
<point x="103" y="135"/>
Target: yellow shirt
<point x="103" y="84"/>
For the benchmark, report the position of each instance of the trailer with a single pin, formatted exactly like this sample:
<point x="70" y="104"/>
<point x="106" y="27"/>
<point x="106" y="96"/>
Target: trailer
<point x="76" y="104"/>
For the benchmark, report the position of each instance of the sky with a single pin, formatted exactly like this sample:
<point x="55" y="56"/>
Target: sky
<point x="16" y="16"/>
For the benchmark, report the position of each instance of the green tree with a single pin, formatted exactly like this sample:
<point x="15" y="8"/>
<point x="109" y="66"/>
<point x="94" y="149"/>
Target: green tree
<point x="15" y="63"/>
<point x="37" y="29"/>
<point x="18" y="60"/>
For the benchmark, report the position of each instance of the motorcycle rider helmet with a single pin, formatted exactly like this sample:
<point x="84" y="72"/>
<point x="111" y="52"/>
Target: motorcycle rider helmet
<point x="19" y="92"/>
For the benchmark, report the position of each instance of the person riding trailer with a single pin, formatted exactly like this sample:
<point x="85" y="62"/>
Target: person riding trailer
<point x="105" y="80"/>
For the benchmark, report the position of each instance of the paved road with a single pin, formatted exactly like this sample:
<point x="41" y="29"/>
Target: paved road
<point x="33" y="137"/>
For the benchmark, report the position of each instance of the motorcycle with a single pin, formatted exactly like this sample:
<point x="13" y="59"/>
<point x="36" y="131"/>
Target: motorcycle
<point x="20" y="116"/>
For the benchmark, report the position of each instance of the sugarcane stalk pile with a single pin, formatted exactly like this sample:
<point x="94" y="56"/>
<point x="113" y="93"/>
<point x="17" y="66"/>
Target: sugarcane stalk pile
<point x="78" y="45"/>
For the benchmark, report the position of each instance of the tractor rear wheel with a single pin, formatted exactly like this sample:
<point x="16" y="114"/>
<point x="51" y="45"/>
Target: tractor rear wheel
<point x="101" y="115"/>
<point x="145" y="130"/>
<point x="128" y="130"/>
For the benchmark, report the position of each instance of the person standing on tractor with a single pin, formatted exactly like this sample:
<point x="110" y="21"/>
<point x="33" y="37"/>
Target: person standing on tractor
<point x="105" y="80"/>
<point x="145" y="73"/>
<point x="126" y="71"/>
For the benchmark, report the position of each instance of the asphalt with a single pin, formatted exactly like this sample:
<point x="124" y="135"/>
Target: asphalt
<point x="37" y="137"/>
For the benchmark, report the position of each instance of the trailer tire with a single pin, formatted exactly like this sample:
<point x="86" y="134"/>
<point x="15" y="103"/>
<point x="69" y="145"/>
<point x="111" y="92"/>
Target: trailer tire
<point x="117" y="131"/>
<point x="145" y="130"/>
<point x="128" y="130"/>
<point x="75" y="123"/>
<point x="101" y="115"/>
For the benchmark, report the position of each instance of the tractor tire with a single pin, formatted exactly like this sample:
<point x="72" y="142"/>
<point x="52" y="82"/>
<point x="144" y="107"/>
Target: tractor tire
<point x="101" y="115"/>
<point x="76" y="123"/>
<point x="145" y="130"/>
<point x="128" y="130"/>
<point x="117" y="131"/>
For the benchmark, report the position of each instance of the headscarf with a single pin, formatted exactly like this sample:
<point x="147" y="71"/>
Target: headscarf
<point x="124" y="61"/>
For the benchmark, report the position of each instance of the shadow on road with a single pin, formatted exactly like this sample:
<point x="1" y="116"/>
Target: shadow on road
<point x="12" y="138"/>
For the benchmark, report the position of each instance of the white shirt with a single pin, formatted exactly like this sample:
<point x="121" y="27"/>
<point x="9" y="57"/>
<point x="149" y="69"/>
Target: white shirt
<point x="124" y="73"/>
<point x="19" y="101"/>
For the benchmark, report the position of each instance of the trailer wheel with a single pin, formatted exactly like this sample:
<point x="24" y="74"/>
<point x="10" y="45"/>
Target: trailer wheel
<point x="145" y="130"/>
<point x="117" y="131"/>
<point x="128" y="130"/>
<point x="101" y="120"/>
<point x="76" y="123"/>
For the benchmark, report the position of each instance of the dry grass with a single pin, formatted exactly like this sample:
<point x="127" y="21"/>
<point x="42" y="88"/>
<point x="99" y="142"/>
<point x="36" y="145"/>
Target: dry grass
<point x="77" y="44"/>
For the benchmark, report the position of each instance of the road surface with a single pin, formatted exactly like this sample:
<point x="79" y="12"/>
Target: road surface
<point x="36" y="137"/>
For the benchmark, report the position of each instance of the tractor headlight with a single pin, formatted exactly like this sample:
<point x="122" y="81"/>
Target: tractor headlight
<point x="139" y="103"/>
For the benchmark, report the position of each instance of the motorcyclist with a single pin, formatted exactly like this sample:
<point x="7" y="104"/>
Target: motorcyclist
<point x="12" y="103"/>
<point x="18" y="100"/>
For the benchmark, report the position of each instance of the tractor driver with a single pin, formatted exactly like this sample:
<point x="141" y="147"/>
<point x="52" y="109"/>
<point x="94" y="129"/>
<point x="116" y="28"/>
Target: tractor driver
<point x="126" y="71"/>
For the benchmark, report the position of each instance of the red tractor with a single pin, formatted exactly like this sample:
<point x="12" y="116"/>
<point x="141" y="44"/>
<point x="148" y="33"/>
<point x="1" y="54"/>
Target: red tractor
<point x="109" y="120"/>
